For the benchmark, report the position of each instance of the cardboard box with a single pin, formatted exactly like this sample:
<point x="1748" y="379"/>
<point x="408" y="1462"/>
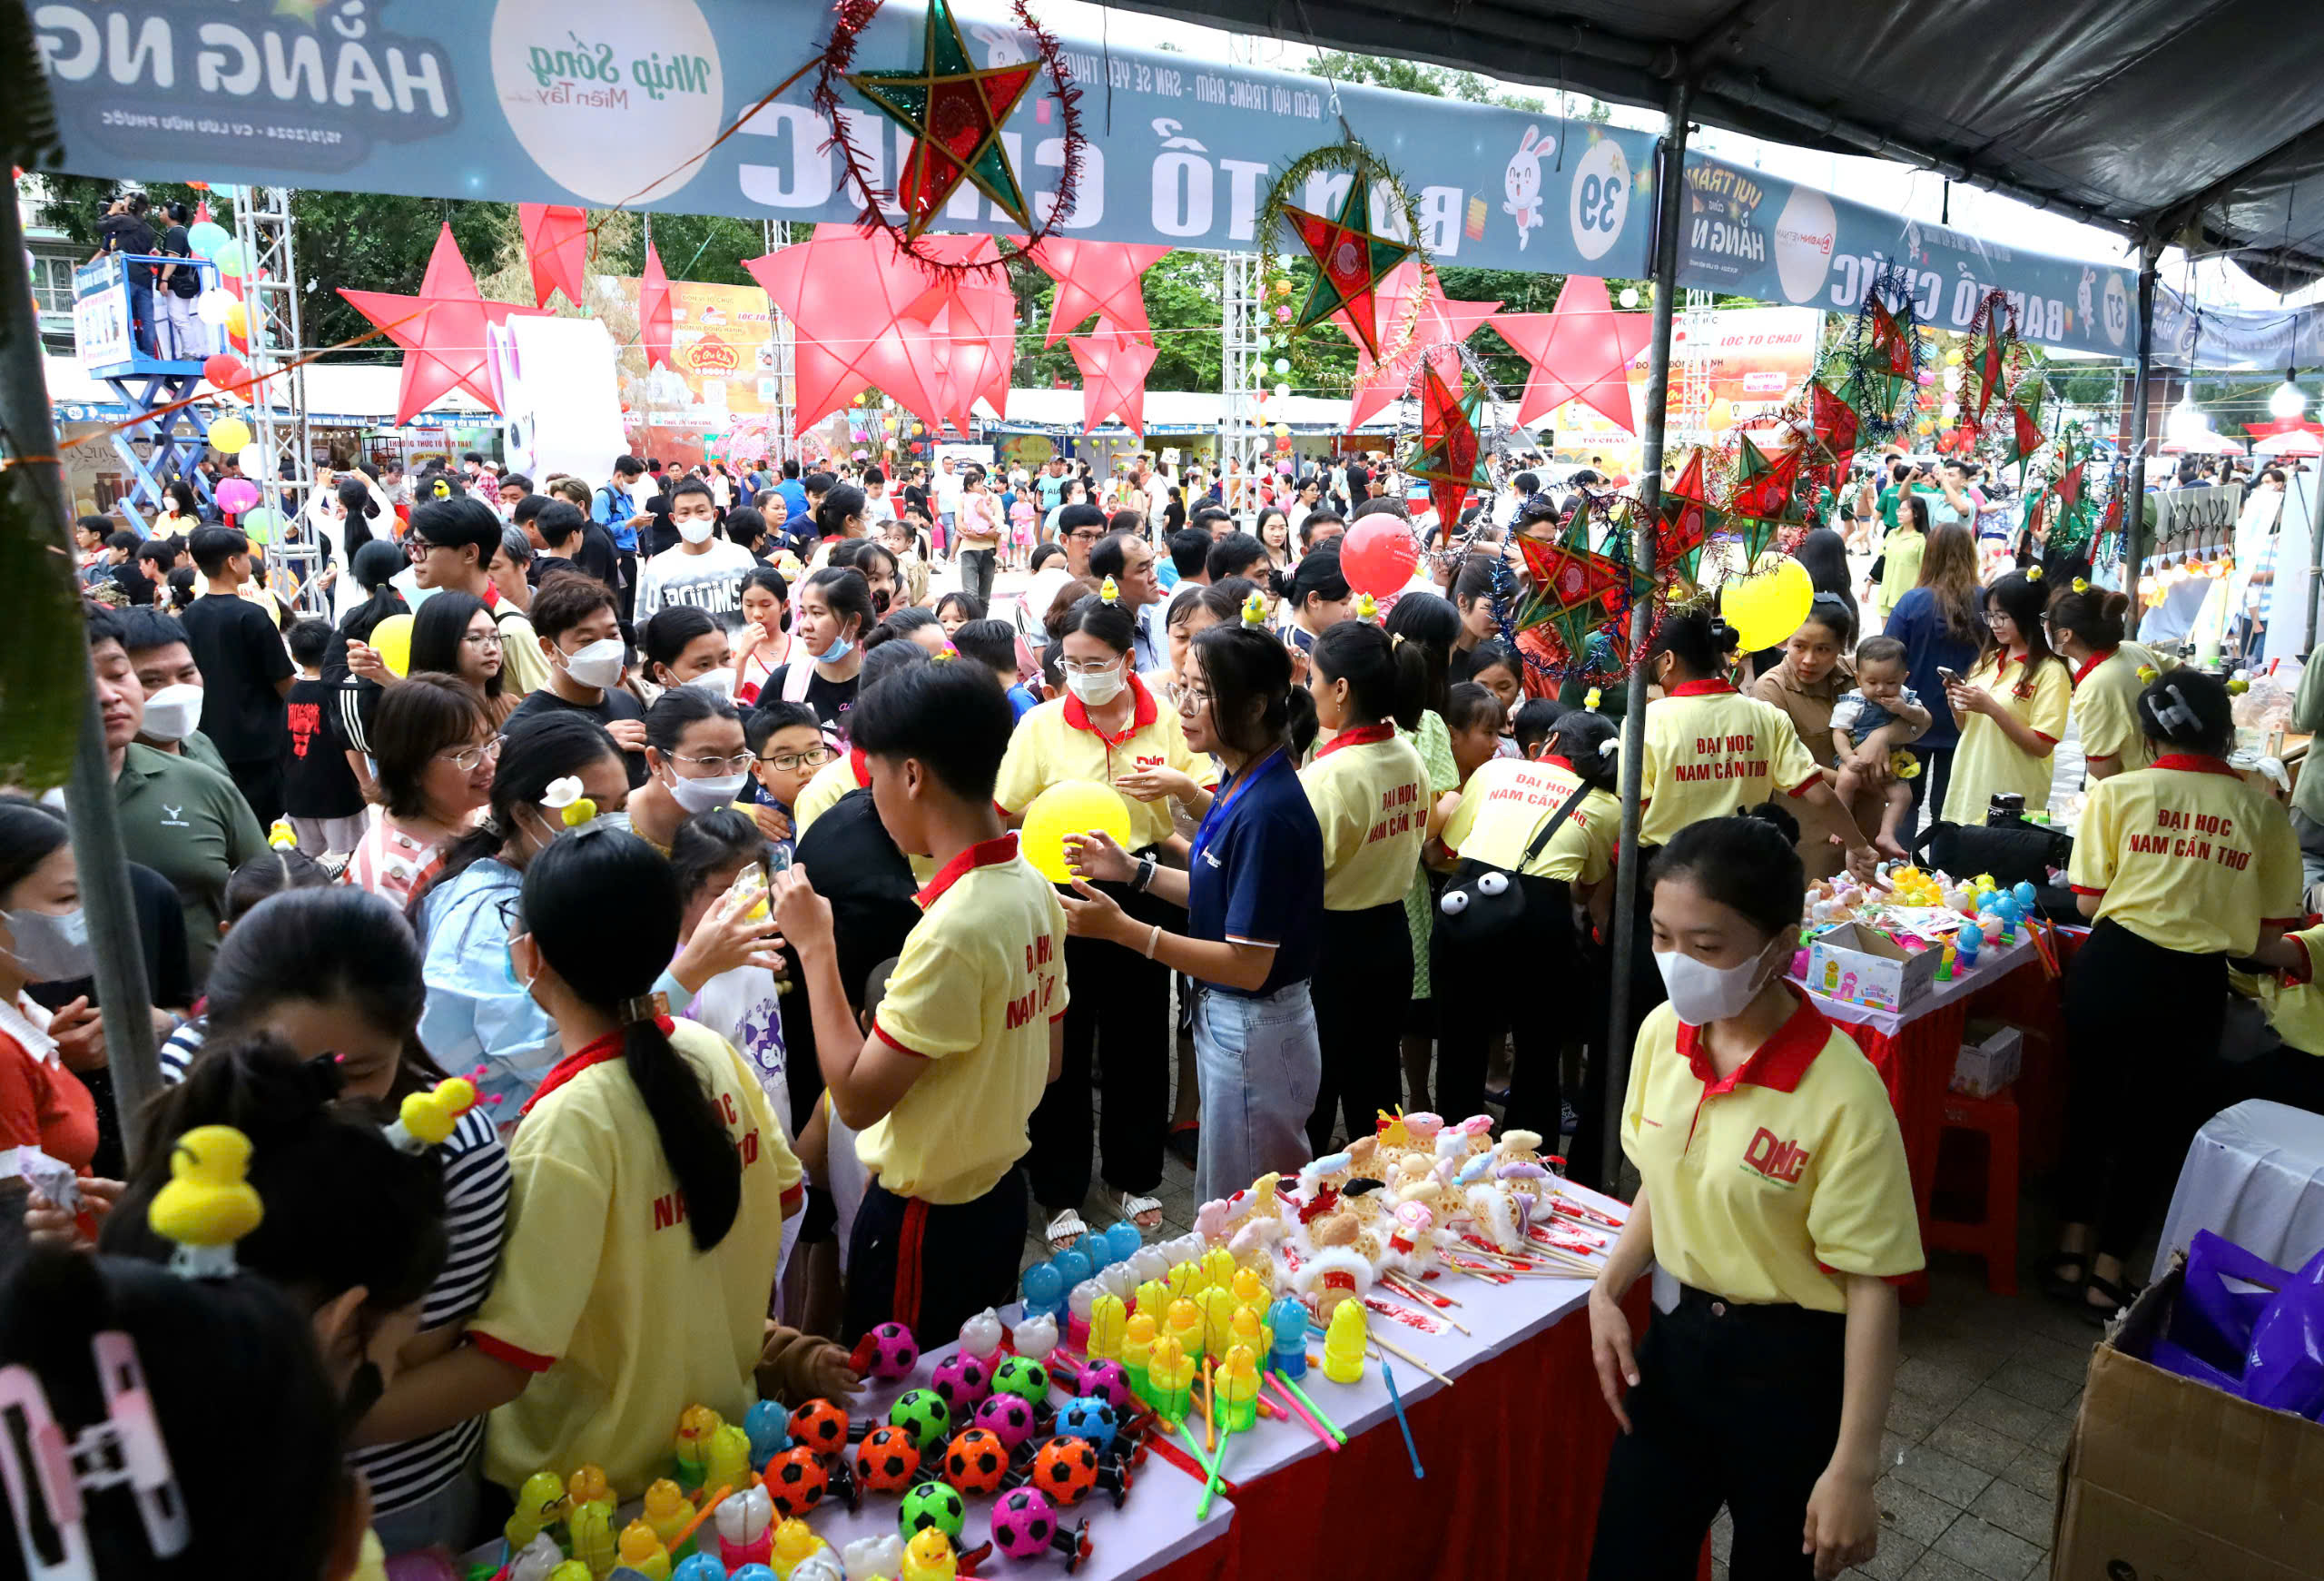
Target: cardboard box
<point x="2167" y="1479"/>
<point x="1862" y="965"/>
<point x="1989" y="1061"/>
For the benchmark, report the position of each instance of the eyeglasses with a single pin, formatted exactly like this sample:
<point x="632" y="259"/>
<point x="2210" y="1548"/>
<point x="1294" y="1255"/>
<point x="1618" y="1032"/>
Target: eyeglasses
<point x="707" y="767"/>
<point x="793" y="762"/>
<point x="467" y="759"/>
<point x="1089" y="536"/>
<point x="417" y="548"/>
<point x="481" y="638"/>
<point x="1087" y="666"/>
<point x="1192" y="699"/>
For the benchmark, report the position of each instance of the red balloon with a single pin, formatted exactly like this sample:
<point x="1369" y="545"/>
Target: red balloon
<point x="1377" y="556"/>
<point x="224" y="371"/>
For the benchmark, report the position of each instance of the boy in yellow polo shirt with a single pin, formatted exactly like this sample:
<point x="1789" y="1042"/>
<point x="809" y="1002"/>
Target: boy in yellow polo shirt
<point x="971" y="1028"/>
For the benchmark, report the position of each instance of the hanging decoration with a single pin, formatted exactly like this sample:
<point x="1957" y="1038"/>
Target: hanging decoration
<point x="850" y="296"/>
<point x="1104" y="278"/>
<point x="1572" y="623"/>
<point x="1114" y="365"/>
<point x="657" y="316"/>
<point x="1451" y="459"/>
<point x="1765" y="499"/>
<point x="1685" y="521"/>
<point x="1441" y="325"/>
<point x="441" y="330"/>
<point x="1352" y="259"/>
<point x="1580" y="349"/>
<point x="954" y="112"/>
<point x="557" y="250"/>
<point x="1993" y="352"/>
<point x="1878" y="366"/>
<point x="974" y="317"/>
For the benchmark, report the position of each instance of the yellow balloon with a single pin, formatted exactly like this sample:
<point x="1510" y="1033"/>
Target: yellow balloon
<point x="1072" y="807"/>
<point x="238" y="321"/>
<point x="1766" y="610"/>
<point x="228" y="436"/>
<point x="391" y="639"/>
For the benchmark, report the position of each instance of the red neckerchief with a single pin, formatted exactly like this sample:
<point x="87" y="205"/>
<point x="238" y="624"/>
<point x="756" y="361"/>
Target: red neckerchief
<point x="984" y="854"/>
<point x="2196" y="763"/>
<point x="1142" y="713"/>
<point x="2094" y="661"/>
<point x="1700" y="689"/>
<point x="609" y="1047"/>
<point x="862" y="765"/>
<point x="1362" y="735"/>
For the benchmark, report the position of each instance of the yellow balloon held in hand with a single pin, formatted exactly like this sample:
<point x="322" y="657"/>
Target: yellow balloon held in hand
<point x="1766" y="610"/>
<point x="1073" y="806"/>
<point x="391" y="640"/>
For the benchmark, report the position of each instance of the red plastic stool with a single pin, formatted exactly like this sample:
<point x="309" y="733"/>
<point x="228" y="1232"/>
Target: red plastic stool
<point x="1993" y="1234"/>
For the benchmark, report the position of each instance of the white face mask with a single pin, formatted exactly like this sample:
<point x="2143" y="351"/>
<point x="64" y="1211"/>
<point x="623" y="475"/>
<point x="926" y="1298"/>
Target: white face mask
<point x="174" y="712"/>
<point x="697" y="531"/>
<point x="1095" y="690"/>
<point x="1702" y="993"/>
<point x="718" y="682"/>
<point x="597" y="665"/>
<point x="699" y="796"/>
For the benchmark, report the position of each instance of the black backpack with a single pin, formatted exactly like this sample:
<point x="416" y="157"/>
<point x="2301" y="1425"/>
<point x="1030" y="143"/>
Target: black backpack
<point x="1482" y="902"/>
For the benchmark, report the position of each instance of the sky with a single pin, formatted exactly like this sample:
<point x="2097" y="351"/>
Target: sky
<point x="1882" y="184"/>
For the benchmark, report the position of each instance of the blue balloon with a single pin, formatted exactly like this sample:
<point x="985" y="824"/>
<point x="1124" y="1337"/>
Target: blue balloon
<point x="768" y="1427"/>
<point x="2025" y="893"/>
<point x="1094" y="1246"/>
<point x="1072" y="1266"/>
<point x="1123" y="1242"/>
<point x="1044" y="1289"/>
<point x="699" y="1568"/>
<point x="207" y="237"/>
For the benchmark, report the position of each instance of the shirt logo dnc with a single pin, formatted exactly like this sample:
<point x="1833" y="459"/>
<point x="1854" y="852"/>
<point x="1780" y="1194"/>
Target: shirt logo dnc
<point x="1778" y="1161"/>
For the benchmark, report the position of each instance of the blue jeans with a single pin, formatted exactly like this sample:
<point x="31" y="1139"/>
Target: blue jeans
<point x="1261" y="1063"/>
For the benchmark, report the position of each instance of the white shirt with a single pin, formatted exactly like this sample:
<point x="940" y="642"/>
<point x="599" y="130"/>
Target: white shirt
<point x="711" y="580"/>
<point x="878" y="508"/>
<point x="947" y="486"/>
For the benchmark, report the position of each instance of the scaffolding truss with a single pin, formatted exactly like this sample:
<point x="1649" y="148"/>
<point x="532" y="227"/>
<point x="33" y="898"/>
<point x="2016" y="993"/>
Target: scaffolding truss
<point x="278" y="416"/>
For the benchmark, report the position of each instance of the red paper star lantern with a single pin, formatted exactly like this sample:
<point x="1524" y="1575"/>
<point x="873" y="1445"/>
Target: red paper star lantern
<point x="1102" y="278"/>
<point x="1451" y="459"/>
<point x="1442" y="323"/>
<point x="556" y="249"/>
<point x="1581" y="351"/>
<point x="954" y="111"/>
<point x="850" y="297"/>
<point x="1350" y="261"/>
<point x="657" y="316"/>
<point x="441" y="330"/>
<point x="1113" y="366"/>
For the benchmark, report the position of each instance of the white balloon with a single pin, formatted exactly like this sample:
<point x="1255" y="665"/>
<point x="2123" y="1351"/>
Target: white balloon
<point x="252" y="461"/>
<point x="212" y="306"/>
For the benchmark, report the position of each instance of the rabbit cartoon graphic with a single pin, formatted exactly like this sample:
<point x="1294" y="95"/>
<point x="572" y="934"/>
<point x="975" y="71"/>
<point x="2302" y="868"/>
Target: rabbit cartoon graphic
<point x="1002" y="47"/>
<point x="1522" y="180"/>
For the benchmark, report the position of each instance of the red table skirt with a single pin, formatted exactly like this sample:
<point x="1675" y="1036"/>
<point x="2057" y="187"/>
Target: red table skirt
<point x="1515" y="1453"/>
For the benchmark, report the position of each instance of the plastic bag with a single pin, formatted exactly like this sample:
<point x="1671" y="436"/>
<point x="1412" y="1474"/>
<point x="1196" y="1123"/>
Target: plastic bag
<point x="2265" y="1345"/>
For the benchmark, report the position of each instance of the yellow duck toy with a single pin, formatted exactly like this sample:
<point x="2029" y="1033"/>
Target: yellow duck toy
<point x="1254" y="609"/>
<point x="794" y="1542"/>
<point x="928" y="1557"/>
<point x="425" y="1119"/>
<point x="668" y="1511"/>
<point x="588" y="1485"/>
<point x="208" y="1204"/>
<point x="643" y="1550"/>
<point x="728" y="1460"/>
<point x="541" y="1503"/>
<point x="591" y="1528"/>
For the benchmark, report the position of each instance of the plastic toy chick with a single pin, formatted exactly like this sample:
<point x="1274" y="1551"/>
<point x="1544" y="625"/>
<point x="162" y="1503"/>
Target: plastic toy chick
<point x="1288" y="1321"/>
<point x="541" y="1503"/>
<point x="668" y="1511"/>
<point x="928" y="1557"/>
<point x="1219" y="1268"/>
<point x="1238" y="1388"/>
<point x="727" y="1461"/>
<point x="1249" y="1328"/>
<point x="769" y="1427"/>
<point x="588" y="1485"/>
<point x="876" y="1558"/>
<point x="425" y="1119"/>
<point x="1367" y="609"/>
<point x="1254" y="609"/>
<point x="643" y="1550"/>
<point x="1153" y="1298"/>
<point x="1185" y="1325"/>
<point x="1110" y="591"/>
<point x="794" y="1544"/>
<point x="1137" y="1350"/>
<point x="696" y="1425"/>
<point x="590" y="1527"/>
<point x="1170" y="1378"/>
<point x="1108" y="1317"/>
<point x="1249" y="1288"/>
<point x="208" y="1204"/>
<point x="572" y="1570"/>
<point x="1343" y="1344"/>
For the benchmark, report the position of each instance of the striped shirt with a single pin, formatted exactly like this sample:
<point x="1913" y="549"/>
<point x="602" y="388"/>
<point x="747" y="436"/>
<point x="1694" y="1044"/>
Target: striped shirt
<point x="475" y="1214"/>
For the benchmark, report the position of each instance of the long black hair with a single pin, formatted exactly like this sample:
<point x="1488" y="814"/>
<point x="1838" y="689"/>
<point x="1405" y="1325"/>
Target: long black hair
<point x="2021" y="599"/>
<point x="539" y="749"/>
<point x="374" y="565"/>
<point x="571" y="889"/>
<point x="355" y="527"/>
<point x="1432" y="624"/>
<point x="1386" y="679"/>
<point x="439" y="629"/>
<point x="1699" y="638"/>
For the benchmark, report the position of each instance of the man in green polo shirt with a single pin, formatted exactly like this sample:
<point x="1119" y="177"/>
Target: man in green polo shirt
<point x="186" y="822"/>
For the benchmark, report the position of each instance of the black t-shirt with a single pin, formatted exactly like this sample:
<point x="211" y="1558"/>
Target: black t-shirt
<point x="317" y="782"/>
<point x="185" y="281"/>
<point x="240" y="654"/>
<point x="616" y="704"/>
<point x="128" y="233"/>
<point x="829" y="699"/>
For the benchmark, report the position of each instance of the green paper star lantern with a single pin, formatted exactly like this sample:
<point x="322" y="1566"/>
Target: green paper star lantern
<point x="954" y="110"/>
<point x="1351" y="259"/>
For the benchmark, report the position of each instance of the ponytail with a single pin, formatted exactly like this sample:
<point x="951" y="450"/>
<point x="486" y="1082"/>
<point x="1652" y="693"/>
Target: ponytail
<point x="570" y="888"/>
<point x="1386" y="679"/>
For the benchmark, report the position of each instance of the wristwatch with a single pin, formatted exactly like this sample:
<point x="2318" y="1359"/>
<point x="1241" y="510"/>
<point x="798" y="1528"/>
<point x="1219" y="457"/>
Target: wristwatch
<point x="1144" y="876"/>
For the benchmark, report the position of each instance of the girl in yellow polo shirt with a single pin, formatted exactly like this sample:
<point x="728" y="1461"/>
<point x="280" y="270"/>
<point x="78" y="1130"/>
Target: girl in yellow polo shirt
<point x="1370" y="791"/>
<point x="2012" y="707"/>
<point x="1773" y="1187"/>
<point x="1107" y="726"/>
<point x="2086" y="627"/>
<point x="2184" y="863"/>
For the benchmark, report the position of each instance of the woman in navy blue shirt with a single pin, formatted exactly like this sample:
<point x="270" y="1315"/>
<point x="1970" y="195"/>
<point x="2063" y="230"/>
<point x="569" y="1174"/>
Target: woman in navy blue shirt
<point x="1940" y="622"/>
<point x="1253" y="890"/>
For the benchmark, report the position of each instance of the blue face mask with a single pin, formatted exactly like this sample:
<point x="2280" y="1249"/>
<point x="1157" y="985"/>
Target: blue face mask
<point x="839" y="649"/>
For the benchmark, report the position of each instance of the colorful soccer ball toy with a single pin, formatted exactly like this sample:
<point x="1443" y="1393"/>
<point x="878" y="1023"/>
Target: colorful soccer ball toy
<point x="888" y="1350"/>
<point x="1030" y="1380"/>
<point x="1090" y="1419"/>
<point x="887" y="1460"/>
<point x="962" y="1382"/>
<point x="1023" y="1522"/>
<point x="1109" y="1382"/>
<point x="1066" y="1469"/>
<point x="932" y="1506"/>
<point x="1008" y="1419"/>
<point x="922" y="1413"/>
<point x="976" y="1461"/>
<point x="796" y="1481"/>
<point x="820" y="1426"/>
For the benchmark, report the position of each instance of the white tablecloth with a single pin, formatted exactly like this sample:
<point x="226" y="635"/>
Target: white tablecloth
<point x="1994" y="963"/>
<point x="2255" y="1175"/>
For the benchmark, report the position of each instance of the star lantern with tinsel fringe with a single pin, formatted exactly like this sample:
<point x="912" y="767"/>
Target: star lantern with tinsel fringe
<point x="1114" y="366"/>
<point x="1575" y="589"/>
<point x="851" y="298"/>
<point x="441" y="330"/>
<point x="1580" y="351"/>
<point x="1835" y="426"/>
<point x="1892" y="350"/>
<point x="557" y="250"/>
<point x="1351" y="262"/>
<point x="954" y="111"/>
<point x="1103" y="278"/>
<point x="1765" y="500"/>
<point x="658" y="315"/>
<point x="1451" y="459"/>
<point x="1439" y="327"/>
<point x="1685" y="520"/>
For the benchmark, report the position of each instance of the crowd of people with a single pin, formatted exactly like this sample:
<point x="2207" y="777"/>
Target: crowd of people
<point x="686" y="823"/>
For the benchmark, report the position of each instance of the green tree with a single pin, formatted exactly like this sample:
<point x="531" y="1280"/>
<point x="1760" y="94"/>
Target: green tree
<point x="1414" y="77"/>
<point x="1182" y="305"/>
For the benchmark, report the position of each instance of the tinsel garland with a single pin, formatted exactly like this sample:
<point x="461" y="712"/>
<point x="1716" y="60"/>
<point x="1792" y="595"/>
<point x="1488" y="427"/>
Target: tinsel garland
<point x="1348" y="157"/>
<point x="1858" y="380"/>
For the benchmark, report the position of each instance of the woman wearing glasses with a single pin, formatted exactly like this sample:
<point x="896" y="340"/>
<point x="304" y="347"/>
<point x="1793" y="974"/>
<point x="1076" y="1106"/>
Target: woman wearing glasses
<point x="1106" y="730"/>
<point x="453" y="634"/>
<point x="2013" y="707"/>
<point x="434" y="749"/>
<point x="695" y="759"/>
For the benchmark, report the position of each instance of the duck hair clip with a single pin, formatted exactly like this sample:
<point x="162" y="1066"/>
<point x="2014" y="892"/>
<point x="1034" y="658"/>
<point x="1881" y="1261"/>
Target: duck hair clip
<point x="1110" y="591"/>
<point x="564" y="797"/>
<point x="2082" y="584"/>
<point x="944" y="655"/>
<point x="2148" y="675"/>
<point x="58" y="1468"/>
<point x="2033" y="573"/>
<point x="1254" y="609"/>
<point x="1367" y="609"/>
<point x="209" y="1203"/>
<point x="1590" y="699"/>
<point x="425" y="1119"/>
<point x="281" y="836"/>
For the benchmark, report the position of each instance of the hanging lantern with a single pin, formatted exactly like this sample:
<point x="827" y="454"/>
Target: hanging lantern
<point x="1283" y="392"/>
<point x="1283" y="431"/>
<point x="1283" y="364"/>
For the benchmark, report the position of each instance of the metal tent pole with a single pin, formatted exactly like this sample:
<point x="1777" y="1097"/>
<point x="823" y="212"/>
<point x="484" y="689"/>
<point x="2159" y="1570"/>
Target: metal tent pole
<point x="2134" y="544"/>
<point x="97" y="851"/>
<point x="1671" y="194"/>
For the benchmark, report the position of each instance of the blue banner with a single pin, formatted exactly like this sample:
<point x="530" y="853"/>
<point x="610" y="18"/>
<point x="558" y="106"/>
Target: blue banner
<point x="1758" y="235"/>
<point x="607" y="102"/>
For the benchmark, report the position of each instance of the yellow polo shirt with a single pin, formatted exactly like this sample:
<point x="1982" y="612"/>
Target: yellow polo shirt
<point x="1900" y="568"/>
<point x="981" y="977"/>
<point x="1987" y="763"/>
<point x="2188" y="854"/>
<point x="839" y="778"/>
<point x="601" y="1293"/>
<point x="1058" y="741"/>
<point x="1709" y="750"/>
<point x="2294" y="1005"/>
<point x="2106" y="707"/>
<point x="1771" y="1182"/>
<point x="1370" y="791"/>
<point x="1508" y="799"/>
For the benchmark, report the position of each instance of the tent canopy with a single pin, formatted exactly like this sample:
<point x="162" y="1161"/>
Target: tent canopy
<point x="2146" y="116"/>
